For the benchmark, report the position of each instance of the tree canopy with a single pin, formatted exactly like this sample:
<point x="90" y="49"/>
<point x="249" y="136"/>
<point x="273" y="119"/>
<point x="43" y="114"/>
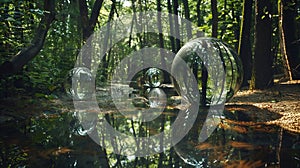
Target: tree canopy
<point x="40" y="40"/>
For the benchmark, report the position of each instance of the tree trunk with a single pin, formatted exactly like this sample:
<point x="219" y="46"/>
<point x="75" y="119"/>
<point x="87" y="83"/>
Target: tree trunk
<point x="176" y="24"/>
<point x="287" y="68"/>
<point x="88" y="24"/>
<point x="172" y="39"/>
<point x="106" y="41"/>
<point x="262" y="76"/>
<point x="214" y="9"/>
<point x="200" y="19"/>
<point x="288" y="16"/>
<point x="187" y="16"/>
<point x="244" y="50"/>
<point x="25" y="55"/>
<point x="161" y="42"/>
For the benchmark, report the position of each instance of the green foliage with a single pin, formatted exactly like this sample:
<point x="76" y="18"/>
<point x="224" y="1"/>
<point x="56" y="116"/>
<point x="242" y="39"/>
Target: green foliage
<point x="46" y="72"/>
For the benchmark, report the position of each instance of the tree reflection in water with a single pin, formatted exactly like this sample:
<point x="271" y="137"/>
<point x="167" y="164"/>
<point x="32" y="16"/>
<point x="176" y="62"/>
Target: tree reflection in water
<point x="54" y="140"/>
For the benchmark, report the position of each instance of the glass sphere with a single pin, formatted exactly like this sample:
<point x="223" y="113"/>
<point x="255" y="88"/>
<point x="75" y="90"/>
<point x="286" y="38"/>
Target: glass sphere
<point x="216" y="67"/>
<point x="154" y="77"/>
<point x="79" y="83"/>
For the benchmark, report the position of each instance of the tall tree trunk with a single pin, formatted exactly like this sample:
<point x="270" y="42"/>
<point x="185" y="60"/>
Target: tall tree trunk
<point x="200" y="20"/>
<point x="176" y="24"/>
<point x="288" y="12"/>
<point x="106" y="41"/>
<point x="263" y="61"/>
<point x="286" y="64"/>
<point x="172" y="39"/>
<point x="25" y="55"/>
<point x="161" y="42"/>
<point x="214" y="9"/>
<point x="187" y="16"/>
<point x="88" y="24"/>
<point x="244" y="50"/>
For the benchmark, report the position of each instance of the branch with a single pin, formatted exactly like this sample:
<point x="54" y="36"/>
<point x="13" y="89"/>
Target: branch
<point x="88" y="24"/>
<point x="95" y="13"/>
<point x="25" y="55"/>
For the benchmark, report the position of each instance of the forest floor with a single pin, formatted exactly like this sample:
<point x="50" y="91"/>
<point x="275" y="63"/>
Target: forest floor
<point x="282" y="100"/>
<point x="279" y="105"/>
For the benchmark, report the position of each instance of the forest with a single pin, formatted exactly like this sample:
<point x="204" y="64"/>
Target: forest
<point x="45" y="44"/>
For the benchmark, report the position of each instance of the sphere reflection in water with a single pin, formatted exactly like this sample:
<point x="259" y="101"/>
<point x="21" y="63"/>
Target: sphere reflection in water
<point x="195" y="149"/>
<point x="157" y="98"/>
<point x="79" y="83"/>
<point x="85" y="123"/>
<point x="154" y="77"/>
<point x="216" y="67"/>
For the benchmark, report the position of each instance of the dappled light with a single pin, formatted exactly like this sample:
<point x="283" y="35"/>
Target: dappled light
<point x="136" y="83"/>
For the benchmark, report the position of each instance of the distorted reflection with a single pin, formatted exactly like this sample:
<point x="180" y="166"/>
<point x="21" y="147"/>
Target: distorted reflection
<point x="216" y="67"/>
<point x="157" y="98"/>
<point x="79" y="83"/>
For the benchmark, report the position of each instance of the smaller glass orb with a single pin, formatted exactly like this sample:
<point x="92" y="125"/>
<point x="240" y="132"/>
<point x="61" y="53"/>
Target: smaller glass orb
<point x="79" y="83"/>
<point x="215" y="66"/>
<point x="154" y="77"/>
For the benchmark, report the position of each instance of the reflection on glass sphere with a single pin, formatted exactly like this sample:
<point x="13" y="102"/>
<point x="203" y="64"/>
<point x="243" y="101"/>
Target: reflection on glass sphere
<point x="85" y="124"/>
<point x="154" y="77"/>
<point x="216" y="67"/>
<point x="79" y="83"/>
<point x="157" y="98"/>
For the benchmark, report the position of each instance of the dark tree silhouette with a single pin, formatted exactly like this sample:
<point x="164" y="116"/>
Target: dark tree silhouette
<point x="262" y="76"/>
<point x="245" y="46"/>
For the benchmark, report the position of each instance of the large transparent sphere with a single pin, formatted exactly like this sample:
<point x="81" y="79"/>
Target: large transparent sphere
<point x="154" y="77"/>
<point x="216" y="67"/>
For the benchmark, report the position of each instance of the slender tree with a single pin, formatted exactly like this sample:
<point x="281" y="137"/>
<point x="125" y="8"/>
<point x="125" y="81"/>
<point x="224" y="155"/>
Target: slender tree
<point x="245" y="46"/>
<point x="161" y="38"/>
<point x="88" y="24"/>
<point x="187" y="16"/>
<point x="176" y="24"/>
<point x="214" y="9"/>
<point x="288" y="36"/>
<point x="172" y="40"/>
<point x="262" y="76"/>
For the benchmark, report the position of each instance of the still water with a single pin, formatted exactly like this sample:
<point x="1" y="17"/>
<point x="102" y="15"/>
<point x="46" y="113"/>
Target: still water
<point x="57" y="139"/>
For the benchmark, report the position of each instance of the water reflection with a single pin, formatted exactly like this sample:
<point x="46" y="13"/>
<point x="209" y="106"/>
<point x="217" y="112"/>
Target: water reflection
<point x="235" y="144"/>
<point x="157" y="98"/>
<point x="58" y="141"/>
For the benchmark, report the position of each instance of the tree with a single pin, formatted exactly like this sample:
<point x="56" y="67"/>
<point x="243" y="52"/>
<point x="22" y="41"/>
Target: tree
<point x="288" y="37"/>
<point x="88" y="24"/>
<point x="25" y="55"/>
<point x="214" y="10"/>
<point x="187" y="16"/>
<point x="262" y="76"/>
<point x="176" y="24"/>
<point x="245" y="47"/>
<point x="172" y="40"/>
